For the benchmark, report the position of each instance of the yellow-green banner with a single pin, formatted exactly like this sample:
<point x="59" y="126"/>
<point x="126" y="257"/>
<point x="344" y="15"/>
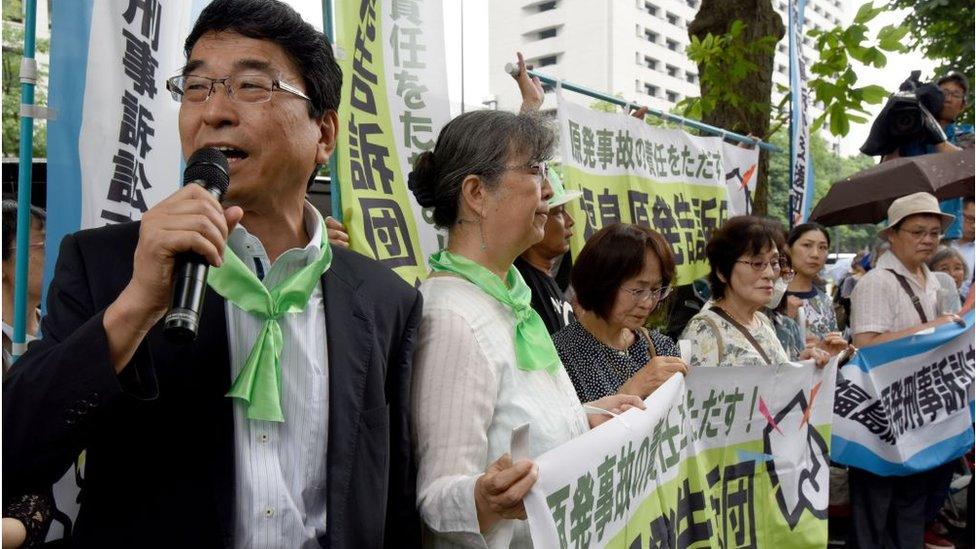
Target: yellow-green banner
<point x="393" y="103"/>
<point x="678" y="184"/>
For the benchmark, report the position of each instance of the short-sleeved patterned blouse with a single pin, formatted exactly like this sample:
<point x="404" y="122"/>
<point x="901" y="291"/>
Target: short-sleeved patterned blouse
<point x="717" y="342"/>
<point x="819" y="311"/>
<point x="598" y="370"/>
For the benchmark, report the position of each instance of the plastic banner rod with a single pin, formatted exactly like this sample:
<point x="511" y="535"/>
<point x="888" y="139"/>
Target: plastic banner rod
<point x="328" y="20"/>
<point x="725" y="134"/>
<point x="28" y="77"/>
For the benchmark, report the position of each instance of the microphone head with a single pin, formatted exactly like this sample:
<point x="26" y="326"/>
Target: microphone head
<point x="512" y="69"/>
<point x="210" y="166"/>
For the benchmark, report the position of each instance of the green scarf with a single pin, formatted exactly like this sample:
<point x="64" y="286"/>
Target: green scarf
<point x="259" y="381"/>
<point x="533" y="346"/>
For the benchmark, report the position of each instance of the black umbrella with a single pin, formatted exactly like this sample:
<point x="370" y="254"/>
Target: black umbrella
<point x="865" y="196"/>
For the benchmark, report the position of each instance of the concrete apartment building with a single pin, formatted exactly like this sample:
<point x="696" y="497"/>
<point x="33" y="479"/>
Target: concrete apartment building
<point x="632" y="47"/>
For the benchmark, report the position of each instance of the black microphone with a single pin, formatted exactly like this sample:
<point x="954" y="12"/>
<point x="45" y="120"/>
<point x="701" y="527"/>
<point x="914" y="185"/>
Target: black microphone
<point x="208" y="168"/>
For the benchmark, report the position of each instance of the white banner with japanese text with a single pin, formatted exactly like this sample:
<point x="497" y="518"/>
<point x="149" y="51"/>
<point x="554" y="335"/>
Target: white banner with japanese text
<point x="727" y="457"/>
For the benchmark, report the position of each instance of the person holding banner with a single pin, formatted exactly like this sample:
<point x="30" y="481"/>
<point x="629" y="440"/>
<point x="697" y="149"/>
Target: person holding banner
<point x="809" y="244"/>
<point x="745" y="264"/>
<point x="285" y="422"/>
<point x="620" y="276"/>
<point x="897" y="299"/>
<point x="485" y="364"/>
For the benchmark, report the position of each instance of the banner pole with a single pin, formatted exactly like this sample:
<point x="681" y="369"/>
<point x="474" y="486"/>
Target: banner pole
<point x="701" y="126"/>
<point x="28" y="77"/>
<point x="328" y="20"/>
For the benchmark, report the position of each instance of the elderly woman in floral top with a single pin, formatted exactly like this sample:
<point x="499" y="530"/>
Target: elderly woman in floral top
<point x="732" y="331"/>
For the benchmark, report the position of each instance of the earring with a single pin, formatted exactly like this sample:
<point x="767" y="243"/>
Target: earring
<point x="481" y="227"/>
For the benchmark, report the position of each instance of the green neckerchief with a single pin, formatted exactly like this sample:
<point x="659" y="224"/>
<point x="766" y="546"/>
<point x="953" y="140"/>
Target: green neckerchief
<point x="259" y="381"/>
<point x="533" y="346"/>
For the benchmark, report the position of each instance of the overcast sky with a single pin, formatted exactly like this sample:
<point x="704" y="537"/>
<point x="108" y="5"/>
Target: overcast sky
<point x="475" y="69"/>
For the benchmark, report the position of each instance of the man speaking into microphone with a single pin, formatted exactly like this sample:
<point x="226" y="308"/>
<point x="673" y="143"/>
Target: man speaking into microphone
<point x="283" y="422"/>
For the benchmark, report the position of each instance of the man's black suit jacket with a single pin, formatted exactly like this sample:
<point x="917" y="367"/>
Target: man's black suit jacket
<point x="159" y="469"/>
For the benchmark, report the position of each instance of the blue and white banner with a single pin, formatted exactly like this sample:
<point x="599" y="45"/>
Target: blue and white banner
<point x="906" y="406"/>
<point x="801" y="160"/>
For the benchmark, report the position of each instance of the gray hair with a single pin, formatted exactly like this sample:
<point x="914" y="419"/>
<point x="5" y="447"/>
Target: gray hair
<point x="480" y="143"/>
<point x="948" y="252"/>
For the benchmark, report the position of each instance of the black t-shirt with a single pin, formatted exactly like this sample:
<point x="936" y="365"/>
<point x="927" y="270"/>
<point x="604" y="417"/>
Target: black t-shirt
<point x="547" y="298"/>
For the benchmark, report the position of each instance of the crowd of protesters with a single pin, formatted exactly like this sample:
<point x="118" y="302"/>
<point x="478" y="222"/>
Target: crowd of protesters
<point x="399" y="430"/>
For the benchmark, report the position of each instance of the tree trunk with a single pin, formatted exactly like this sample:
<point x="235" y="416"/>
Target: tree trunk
<point x="715" y="17"/>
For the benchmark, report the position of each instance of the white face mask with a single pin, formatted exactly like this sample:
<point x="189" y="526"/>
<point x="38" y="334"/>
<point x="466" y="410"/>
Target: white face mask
<point x="779" y="288"/>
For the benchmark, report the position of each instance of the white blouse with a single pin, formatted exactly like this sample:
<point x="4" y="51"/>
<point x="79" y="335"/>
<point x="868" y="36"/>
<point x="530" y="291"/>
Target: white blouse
<point x="467" y="396"/>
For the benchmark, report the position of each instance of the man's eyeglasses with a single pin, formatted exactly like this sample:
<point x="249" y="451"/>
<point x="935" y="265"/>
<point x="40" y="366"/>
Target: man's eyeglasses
<point x="642" y="295"/>
<point x="919" y="234"/>
<point x="759" y="265"/>
<point x="242" y="88"/>
<point x="953" y="94"/>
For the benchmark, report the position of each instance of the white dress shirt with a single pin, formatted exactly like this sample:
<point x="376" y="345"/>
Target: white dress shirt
<point x="467" y="396"/>
<point x="281" y="467"/>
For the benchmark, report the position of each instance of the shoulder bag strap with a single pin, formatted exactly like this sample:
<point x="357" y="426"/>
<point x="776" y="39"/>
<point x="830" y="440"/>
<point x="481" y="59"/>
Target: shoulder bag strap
<point x="724" y="314"/>
<point x="650" y="342"/>
<point x="911" y="294"/>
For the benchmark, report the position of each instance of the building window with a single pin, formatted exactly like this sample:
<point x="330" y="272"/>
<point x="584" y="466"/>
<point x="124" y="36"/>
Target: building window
<point x="651" y="36"/>
<point x="692" y="3"/>
<point x="691" y="77"/>
<point x="547" y="6"/>
<point x="651" y="63"/>
<point x="781" y="69"/>
<point x="651" y="89"/>
<point x="672" y="96"/>
<point x="546" y="61"/>
<point x="673" y="45"/>
<point x="548" y="33"/>
<point x="673" y="19"/>
<point x="650" y="8"/>
<point x="672" y="70"/>
<point x="781" y="48"/>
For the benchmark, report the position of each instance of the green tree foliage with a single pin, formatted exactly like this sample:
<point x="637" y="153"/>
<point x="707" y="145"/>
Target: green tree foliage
<point x="833" y="81"/>
<point x="829" y="167"/>
<point x="943" y="31"/>
<point x="725" y="59"/>
<point x="13" y="44"/>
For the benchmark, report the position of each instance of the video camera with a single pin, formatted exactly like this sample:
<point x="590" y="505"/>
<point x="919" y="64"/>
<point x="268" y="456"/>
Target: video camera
<point x="908" y="117"/>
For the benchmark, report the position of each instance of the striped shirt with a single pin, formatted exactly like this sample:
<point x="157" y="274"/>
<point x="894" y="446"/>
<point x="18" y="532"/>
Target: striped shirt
<point x="281" y="467"/>
<point x="467" y="396"/>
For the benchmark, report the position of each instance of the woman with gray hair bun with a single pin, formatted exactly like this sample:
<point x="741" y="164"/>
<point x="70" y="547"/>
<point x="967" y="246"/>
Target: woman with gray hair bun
<point x="484" y="363"/>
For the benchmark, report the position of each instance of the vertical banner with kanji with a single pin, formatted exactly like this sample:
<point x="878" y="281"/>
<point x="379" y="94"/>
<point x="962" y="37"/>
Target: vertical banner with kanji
<point x="394" y="101"/>
<point x="801" y="160"/>
<point x="727" y="457"/>
<point x="678" y="184"/>
<point x="114" y="148"/>
<point x="906" y="406"/>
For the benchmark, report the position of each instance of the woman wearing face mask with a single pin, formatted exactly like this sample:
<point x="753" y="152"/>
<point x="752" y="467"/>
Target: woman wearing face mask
<point x="781" y="310"/>
<point x="484" y="363"/>
<point x="745" y="265"/>
<point x="620" y="276"/>
<point x="808" y="244"/>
